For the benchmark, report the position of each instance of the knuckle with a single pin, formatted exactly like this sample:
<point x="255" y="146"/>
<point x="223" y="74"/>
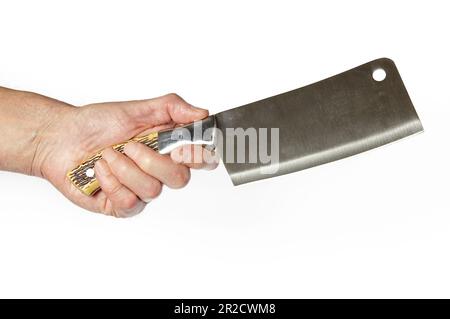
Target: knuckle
<point x="122" y="169"/>
<point x="146" y="163"/>
<point x="173" y="97"/>
<point x="129" y="202"/>
<point x="115" y="189"/>
<point x="153" y="190"/>
<point x="181" y="177"/>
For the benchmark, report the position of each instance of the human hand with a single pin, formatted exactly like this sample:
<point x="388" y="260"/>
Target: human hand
<point x="127" y="181"/>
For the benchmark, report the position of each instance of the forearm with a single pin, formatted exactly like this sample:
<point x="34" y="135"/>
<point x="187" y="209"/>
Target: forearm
<point x="25" y="118"/>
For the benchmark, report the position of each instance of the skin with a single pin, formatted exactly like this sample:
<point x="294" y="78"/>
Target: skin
<point x="45" y="137"/>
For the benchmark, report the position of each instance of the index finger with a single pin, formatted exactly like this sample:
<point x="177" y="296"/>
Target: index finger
<point x="196" y="157"/>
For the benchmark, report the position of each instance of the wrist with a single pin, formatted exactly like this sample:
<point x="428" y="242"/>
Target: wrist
<point x="29" y="121"/>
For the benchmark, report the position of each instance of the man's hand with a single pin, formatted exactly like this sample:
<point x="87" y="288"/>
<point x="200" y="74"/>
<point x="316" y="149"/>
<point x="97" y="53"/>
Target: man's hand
<point x="67" y="135"/>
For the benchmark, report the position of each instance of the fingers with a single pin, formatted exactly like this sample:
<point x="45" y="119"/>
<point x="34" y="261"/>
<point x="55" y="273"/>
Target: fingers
<point x="159" y="166"/>
<point x="124" y="202"/>
<point x="166" y="109"/>
<point x="129" y="182"/>
<point x="129" y="174"/>
<point x="195" y="156"/>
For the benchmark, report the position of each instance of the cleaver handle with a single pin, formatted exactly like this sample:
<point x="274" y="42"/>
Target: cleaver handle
<point x="199" y="132"/>
<point x="83" y="176"/>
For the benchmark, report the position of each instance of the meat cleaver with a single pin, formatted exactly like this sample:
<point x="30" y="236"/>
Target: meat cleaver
<point x="340" y="116"/>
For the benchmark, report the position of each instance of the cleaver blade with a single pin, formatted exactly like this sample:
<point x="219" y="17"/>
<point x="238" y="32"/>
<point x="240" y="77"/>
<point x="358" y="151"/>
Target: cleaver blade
<point x="340" y="116"/>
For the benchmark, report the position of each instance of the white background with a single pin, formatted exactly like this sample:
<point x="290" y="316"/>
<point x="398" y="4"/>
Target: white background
<point x="374" y="225"/>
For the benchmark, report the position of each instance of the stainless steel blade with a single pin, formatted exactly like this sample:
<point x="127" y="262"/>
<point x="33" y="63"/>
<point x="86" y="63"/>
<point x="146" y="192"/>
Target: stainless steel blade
<point x="338" y="117"/>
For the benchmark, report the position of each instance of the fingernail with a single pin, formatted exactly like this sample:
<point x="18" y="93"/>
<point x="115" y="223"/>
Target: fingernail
<point x="100" y="167"/>
<point x="130" y="148"/>
<point x="109" y="154"/>
<point x="199" y="109"/>
<point x="177" y="155"/>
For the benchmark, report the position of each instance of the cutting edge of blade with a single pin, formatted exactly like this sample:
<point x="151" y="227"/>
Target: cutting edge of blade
<point x="338" y="152"/>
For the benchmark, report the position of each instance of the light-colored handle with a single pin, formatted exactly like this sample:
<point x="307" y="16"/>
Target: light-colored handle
<point x="199" y="132"/>
<point x="83" y="176"/>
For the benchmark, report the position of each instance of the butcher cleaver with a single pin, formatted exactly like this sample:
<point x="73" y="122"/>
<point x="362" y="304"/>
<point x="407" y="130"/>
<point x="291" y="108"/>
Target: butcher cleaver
<point x="340" y="116"/>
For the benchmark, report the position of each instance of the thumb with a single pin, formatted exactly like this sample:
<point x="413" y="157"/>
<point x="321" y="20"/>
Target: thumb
<point x="179" y="110"/>
<point x="165" y="109"/>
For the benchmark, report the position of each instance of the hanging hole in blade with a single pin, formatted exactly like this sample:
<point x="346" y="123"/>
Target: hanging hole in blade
<point x="379" y="74"/>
